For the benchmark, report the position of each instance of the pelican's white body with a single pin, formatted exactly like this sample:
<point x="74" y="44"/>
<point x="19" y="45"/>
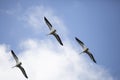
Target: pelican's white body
<point x="52" y="31"/>
<point x="85" y="50"/>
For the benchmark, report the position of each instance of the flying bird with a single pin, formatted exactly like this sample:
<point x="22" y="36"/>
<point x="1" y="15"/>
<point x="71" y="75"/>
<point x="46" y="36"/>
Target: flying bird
<point x="18" y="64"/>
<point x="53" y="31"/>
<point x="85" y="49"/>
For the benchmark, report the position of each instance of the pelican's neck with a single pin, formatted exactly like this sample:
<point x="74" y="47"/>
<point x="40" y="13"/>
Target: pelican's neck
<point x="52" y="31"/>
<point x="85" y="50"/>
<point x="18" y="64"/>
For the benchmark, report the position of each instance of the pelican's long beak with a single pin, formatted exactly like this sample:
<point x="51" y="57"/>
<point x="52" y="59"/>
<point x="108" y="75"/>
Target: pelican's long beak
<point x="13" y="66"/>
<point x="81" y="52"/>
<point x="48" y="34"/>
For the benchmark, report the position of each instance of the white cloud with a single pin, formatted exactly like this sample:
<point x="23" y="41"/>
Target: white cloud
<point x="47" y="60"/>
<point x="34" y="16"/>
<point x="44" y="61"/>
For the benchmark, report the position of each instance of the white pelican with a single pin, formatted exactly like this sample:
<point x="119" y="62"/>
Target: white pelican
<point x="53" y="31"/>
<point x="18" y="64"/>
<point x="85" y="49"/>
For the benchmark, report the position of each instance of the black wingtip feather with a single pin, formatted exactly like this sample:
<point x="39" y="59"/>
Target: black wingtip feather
<point x="45" y="19"/>
<point x="61" y="44"/>
<point x="12" y="51"/>
<point x="76" y="38"/>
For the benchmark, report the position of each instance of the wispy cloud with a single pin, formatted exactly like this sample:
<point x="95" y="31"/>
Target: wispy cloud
<point x="44" y="59"/>
<point x="34" y="16"/>
<point x="12" y="11"/>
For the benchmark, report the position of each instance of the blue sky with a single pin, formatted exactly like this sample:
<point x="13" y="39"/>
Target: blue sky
<point x="96" y="23"/>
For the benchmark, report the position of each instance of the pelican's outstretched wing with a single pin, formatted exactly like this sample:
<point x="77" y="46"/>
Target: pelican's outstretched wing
<point x="48" y="23"/>
<point x="58" y="38"/>
<point x="15" y="57"/>
<point x="23" y="71"/>
<point x="91" y="56"/>
<point x="80" y="42"/>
